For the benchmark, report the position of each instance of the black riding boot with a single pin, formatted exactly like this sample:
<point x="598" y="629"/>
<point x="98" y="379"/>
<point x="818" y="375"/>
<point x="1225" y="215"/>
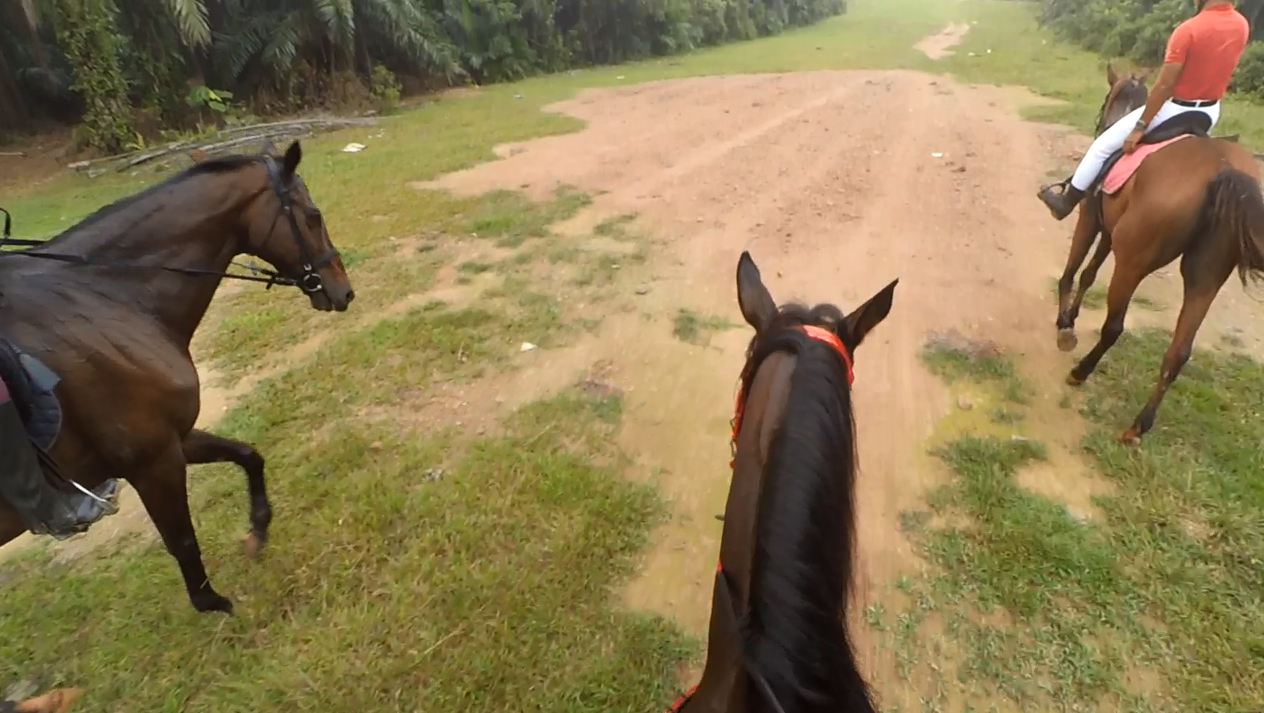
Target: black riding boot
<point x="1060" y="204"/>
<point x="44" y="510"/>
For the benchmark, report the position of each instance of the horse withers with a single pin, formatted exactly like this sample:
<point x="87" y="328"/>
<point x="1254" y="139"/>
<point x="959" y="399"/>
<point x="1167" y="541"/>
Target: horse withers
<point x="111" y="305"/>
<point x="1187" y="196"/>
<point x="778" y="639"/>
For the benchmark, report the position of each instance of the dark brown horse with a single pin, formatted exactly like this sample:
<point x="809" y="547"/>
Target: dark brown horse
<point x="111" y="305"/>
<point x="778" y="638"/>
<point x="1198" y="200"/>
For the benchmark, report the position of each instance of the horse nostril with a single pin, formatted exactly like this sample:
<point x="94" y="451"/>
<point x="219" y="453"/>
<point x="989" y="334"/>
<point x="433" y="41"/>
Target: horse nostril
<point x="350" y="296"/>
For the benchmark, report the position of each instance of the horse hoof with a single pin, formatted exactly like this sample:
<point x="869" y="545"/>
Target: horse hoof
<point x="1131" y="437"/>
<point x="252" y="543"/>
<point x="1067" y="340"/>
<point x="208" y="602"/>
<point x="1074" y="380"/>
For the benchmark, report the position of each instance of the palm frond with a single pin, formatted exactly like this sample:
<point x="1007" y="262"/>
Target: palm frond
<point x="192" y="20"/>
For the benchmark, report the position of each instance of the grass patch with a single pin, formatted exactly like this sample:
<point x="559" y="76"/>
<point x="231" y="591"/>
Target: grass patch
<point x="689" y="326"/>
<point x="1154" y="607"/>
<point x="473" y="267"/>
<point x="615" y="227"/>
<point x="1095" y="298"/>
<point x="952" y="357"/>
<point x="381" y="590"/>
<point x="510" y="218"/>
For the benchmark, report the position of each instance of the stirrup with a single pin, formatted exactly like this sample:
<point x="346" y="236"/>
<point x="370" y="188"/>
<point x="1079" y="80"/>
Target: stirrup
<point x="109" y="506"/>
<point x="1061" y="187"/>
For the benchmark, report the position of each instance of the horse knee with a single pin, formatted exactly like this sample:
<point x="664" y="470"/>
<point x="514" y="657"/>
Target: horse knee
<point x="1178" y="361"/>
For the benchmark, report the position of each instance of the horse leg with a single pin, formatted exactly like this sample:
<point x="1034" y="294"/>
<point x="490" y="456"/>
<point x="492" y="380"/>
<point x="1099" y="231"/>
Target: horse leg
<point x="1122" y="285"/>
<point x="163" y="489"/>
<point x="1202" y="283"/>
<point x="1086" y="228"/>
<point x="1089" y="276"/>
<point x="202" y="447"/>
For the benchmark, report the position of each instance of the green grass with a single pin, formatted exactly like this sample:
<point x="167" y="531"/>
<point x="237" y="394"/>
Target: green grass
<point x="689" y="326"/>
<point x="1095" y="298"/>
<point x="982" y="363"/>
<point x="380" y="590"/>
<point x="492" y="587"/>
<point x="1157" y="605"/>
<point x="1023" y="54"/>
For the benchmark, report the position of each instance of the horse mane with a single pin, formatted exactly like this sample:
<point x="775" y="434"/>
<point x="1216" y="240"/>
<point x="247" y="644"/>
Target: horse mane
<point x="222" y="164"/>
<point x="795" y="629"/>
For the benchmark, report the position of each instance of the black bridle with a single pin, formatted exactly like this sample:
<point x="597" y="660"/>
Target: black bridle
<point x="308" y="278"/>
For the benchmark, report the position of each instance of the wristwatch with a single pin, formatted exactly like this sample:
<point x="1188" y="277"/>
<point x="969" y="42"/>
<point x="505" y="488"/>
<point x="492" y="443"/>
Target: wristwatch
<point x="1142" y="124"/>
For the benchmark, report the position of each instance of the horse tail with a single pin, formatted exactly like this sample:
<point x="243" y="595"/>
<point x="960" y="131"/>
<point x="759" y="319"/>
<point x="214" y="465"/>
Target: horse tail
<point x="1237" y="213"/>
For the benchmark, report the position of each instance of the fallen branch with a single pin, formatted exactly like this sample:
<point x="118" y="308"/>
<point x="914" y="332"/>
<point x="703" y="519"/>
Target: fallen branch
<point x="226" y="139"/>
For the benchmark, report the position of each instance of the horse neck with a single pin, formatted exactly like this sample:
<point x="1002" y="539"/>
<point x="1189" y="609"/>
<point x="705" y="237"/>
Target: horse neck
<point x="803" y="546"/>
<point x="188" y="224"/>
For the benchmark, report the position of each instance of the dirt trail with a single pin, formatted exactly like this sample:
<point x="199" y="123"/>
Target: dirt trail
<point x="940" y="45"/>
<point x="837" y="183"/>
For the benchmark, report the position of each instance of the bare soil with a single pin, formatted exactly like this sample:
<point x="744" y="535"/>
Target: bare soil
<point x="837" y="182"/>
<point x="940" y="45"/>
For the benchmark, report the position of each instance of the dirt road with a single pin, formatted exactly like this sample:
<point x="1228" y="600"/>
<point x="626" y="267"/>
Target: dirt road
<point x="836" y="182"/>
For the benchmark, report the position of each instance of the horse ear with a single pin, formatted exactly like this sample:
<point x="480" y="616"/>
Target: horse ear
<point x="1146" y="75"/>
<point x="757" y="306"/>
<point x="864" y="318"/>
<point x="1111" y="78"/>
<point x="267" y="149"/>
<point x="289" y="164"/>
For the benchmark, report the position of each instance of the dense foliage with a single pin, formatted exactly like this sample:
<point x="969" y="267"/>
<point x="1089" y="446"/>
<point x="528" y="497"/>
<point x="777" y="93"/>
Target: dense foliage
<point x="1139" y="29"/>
<point x="120" y="66"/>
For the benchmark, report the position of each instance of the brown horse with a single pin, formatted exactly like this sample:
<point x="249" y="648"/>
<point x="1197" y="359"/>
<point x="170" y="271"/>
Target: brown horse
<point x="111" y="305"/>
<point x="57" y="700"/>
<point x="1197" y="199"/>
<point x="778" y="638"/>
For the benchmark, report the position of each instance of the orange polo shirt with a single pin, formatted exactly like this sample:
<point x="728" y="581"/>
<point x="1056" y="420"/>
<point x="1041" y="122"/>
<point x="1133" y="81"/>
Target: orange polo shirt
<point x="1209" y="44"/>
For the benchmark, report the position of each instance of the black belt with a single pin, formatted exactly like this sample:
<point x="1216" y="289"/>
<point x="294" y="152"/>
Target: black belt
<point x="1195" y="104"/>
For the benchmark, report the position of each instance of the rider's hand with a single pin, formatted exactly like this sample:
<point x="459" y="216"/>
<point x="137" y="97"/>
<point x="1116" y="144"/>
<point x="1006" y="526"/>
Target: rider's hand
<point x="1130" y="143"/>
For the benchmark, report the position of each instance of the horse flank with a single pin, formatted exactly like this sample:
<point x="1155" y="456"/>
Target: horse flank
<point x="805" y="532"/>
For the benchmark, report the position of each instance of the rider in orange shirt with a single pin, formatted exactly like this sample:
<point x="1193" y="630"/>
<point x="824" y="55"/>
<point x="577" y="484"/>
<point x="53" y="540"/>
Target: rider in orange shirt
<point x="1202" y="54"/>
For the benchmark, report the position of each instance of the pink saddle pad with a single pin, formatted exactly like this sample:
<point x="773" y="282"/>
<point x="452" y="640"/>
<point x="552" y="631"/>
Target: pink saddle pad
<point x="1128" y="165"/>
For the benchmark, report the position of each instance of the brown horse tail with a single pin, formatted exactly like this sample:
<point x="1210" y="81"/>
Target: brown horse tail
<point x="1237" y="212"/>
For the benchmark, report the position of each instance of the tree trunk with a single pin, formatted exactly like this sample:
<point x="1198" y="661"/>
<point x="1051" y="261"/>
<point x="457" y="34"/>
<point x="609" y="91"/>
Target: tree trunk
<point x="14" y="115"/>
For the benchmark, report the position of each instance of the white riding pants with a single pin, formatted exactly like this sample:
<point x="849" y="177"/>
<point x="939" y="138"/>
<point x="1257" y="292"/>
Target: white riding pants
<point x="1112" y="139"/>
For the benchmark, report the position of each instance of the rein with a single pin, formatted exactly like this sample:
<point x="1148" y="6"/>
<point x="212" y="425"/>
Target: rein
<point x="820" y="334"/>
<point x="308" y="280"/>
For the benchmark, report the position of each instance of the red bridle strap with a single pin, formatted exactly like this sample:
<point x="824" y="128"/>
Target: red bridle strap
<point x="820" y="334"/>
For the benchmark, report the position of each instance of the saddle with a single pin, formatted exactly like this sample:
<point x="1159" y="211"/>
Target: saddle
<point x="31" y="383"/>
<point x="1190" y="123"/>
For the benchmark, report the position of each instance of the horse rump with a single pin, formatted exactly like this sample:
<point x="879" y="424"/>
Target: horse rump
<point x="1237" y="213"/>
